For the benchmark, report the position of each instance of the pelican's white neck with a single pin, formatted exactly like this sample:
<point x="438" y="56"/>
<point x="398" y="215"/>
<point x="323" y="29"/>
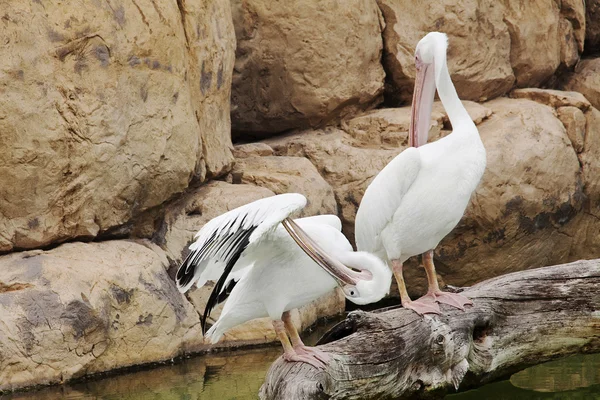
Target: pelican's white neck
<point x="454" y="108"/>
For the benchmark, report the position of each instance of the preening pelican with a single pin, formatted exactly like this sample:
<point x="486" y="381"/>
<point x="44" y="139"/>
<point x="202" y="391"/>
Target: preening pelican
<point x="280" y="264"/>
<point x="420" y="196"/>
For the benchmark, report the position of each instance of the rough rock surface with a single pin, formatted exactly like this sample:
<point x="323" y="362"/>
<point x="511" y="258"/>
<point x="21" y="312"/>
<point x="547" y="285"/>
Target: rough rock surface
<point x="303" y="64"/>
<point x="534" y="206"/>
<point x="592" y="26"/>
<point x="102" y="115"/>
<point x="288" y="175"/>
<point x="85" y="308"/>
<point x="492" y="45"/>
<point x="586" y="80"/>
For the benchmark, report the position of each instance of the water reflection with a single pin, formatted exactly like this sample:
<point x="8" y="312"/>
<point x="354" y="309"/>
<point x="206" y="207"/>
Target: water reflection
<point x="239" y="375"/>
<point x="217" y="376"/>
<point x="571" y="378"/>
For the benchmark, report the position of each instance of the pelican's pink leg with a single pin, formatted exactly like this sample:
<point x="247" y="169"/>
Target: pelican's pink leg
<point x="299" y="347"/>
<point x="434" y="292"/>
<point x="420" y="306"/>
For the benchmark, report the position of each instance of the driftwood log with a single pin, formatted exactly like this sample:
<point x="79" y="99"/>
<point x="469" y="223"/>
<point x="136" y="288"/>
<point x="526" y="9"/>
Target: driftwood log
<point x="517" y="320"/>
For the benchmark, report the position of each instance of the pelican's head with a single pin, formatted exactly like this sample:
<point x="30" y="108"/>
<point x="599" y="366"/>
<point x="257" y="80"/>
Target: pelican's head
<point x="427" y="48"/>
<point x="372" y="282"/>
<point x="430" y="56"/>
<point x="363" y="277"/>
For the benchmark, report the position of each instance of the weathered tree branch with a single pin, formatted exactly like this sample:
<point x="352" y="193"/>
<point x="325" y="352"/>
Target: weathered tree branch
<point x="517" y="320"/>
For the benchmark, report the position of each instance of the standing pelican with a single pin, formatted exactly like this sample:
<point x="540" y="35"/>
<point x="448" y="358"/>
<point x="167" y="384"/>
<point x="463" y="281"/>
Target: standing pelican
<point x="420" y="196"/>
<point x="280" y="264"/>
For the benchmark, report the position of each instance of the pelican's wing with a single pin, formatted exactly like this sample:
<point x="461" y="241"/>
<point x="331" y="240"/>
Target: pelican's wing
<point x="383" y="197"/>
<point x="223" y="239"/>
<point x="325" y="219"/>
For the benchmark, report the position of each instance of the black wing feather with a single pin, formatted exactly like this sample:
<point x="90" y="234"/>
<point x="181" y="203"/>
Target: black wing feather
<point x="240" y="244"/>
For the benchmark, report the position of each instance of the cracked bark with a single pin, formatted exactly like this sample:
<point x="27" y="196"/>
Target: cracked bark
<point x="517" y="320"/>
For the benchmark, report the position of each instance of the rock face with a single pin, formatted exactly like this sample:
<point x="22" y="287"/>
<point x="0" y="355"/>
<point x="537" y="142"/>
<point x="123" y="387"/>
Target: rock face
<point x="535" y="205"/>
<point x="107" y="111"/>
<point x="492" y="45"/>
<point x="586" y="80"/>
<point x="85" y="308"/>
<point x="288" y="175"/>
<point x="592" y="26"/>
<point x="298" y="66"/>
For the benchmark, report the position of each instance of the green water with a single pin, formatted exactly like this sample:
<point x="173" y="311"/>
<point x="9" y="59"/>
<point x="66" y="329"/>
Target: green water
<point x="239" y="375"/>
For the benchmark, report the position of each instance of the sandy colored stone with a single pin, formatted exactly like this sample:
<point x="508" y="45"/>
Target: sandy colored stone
<point x="592" y="26"/>
<point x="585" y="80"/>
<point x="478" y="54"/>
<point x="553" y="98"/>
<point x="535" y="39"/>
<point x="251" y="150"/>
<point x="493" y="45"/>
<point x="575" y="124"/>
<point x="86" y="308"/>
<point x="102" y="113"/>
<point x="303" y="64"/>
<point x="288" y="175"/>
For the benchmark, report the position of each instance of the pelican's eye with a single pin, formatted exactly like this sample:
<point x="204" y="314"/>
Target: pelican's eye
<point x="351" y="291"/>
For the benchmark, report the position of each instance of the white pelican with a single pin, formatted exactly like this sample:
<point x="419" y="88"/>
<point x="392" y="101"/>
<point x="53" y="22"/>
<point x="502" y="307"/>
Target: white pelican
<point x="420" y="196"/>
<point x="259" y="245"/>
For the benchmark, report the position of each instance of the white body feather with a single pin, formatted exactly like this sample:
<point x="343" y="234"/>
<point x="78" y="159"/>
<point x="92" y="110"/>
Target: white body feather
<point x="419" y="197"/>
<point x="282" y="277"/>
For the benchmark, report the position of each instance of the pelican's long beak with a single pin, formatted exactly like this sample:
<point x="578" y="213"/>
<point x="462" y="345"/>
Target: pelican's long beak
<point x="422" y="103"/>
<point x="342" y="274"/>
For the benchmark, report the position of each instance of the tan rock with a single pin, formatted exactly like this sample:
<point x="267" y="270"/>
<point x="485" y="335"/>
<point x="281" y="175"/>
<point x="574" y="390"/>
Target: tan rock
<point x="86" y="308"/>
<point x="492" y="45"/>
<point x="479" y="50"/>
<point x="575" y="124"/>
<point x="101" y="113"/>
<point x="553" y="98"/>
<point x="574" y="12"/>
<point x="298" y="66"/>
<point x="288" y="175"/>
<point x="586" y="80"/>
<point x="592" y="26"/>
<point x="251" y="150"/>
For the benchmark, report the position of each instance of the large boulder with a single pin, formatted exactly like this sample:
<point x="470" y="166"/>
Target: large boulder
<point x="586" y="80"/>
<point x="84" y="308"/>
<point x="539" y="199"/>
<point x="303" y="64"/>
<point x="492" y="45"/>
<point x="107" y="111"/>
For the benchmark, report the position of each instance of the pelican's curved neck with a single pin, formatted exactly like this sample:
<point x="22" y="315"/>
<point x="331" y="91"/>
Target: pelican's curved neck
<point x="454" y="108"/>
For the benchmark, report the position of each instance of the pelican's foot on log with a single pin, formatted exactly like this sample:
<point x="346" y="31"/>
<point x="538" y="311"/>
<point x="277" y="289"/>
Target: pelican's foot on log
<point x="423" y="305"/>
<point x="455" y="300"/>
<point x="305" y="357"/>
<point x="313" y="352"/>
